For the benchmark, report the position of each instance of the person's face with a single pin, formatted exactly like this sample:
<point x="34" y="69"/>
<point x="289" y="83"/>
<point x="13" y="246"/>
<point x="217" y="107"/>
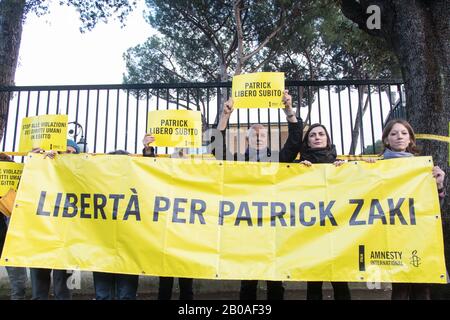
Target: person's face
<point x="398" y="138"/>
<point x="257" y="138"/>
<point x="317" y="138"/>
<point x="71" y="150"/>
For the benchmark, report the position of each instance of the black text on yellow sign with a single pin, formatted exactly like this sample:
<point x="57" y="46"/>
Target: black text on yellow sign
<point x="48" y="132"/>
<point x="198" y="219"/>
<point x="252" y="214"/>
<point x="175" y="128"/>
<point x="258" y="90"/>
<point x="10" y="173"/>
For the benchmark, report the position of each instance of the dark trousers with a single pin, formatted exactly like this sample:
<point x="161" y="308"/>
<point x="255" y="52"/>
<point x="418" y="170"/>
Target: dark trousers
<point x="411" y="291"/>
<point x="40" y="284"/>
<point x="340" y="290"/>
<point x="275" y="290"/>
<point x="111" y="286"/>
<point x="166" y="285"/>
<point x="18" y="281"/>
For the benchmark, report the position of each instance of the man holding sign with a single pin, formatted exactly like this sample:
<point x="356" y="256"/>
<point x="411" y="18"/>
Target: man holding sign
<point x="258" y="90"/>
<point x="259" y="151"/>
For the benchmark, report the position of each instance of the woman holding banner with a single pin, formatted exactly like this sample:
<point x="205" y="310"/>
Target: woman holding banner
<point x="317" y="148"/>
<point x="166" y="283"/>
<point x="115" y="286"/>
<point x="17" y="275"/>
<point x="399" y="142"/>
<point x="40" y="277"/>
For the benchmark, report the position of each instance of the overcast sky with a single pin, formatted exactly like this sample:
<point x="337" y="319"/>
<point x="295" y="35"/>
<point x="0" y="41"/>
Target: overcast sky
<point x="53" y="51"/>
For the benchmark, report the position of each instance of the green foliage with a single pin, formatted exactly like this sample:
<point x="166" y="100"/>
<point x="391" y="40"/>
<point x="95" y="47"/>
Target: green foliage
<point x="378" y="148"/>
<point x="197" y="42"/>
<point x="323" y="44"/>
<point x="91" y="12"/>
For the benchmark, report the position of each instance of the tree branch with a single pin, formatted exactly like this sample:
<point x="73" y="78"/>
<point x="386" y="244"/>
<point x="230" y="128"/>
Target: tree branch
<point x="282" y="24"/>
<point x="240" y="36"/>
<point x="270" y="56"/>
<point x="208" y="32"/>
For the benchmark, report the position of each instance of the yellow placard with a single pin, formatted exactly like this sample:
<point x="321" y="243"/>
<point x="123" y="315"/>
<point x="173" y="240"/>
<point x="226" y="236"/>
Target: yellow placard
<point x="258" y="90"/>
<point x="10" y="173"/>
<point x="175" y="128"/>
<point x="48" y="132"/>
<point x="377" y="222"/>
<point x="7" y="202"/>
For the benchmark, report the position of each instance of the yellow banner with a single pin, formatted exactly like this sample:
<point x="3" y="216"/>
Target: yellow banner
<point x="229" y="220"/>
<point x="258" y="90"/>
<point x="10" y="173"/>
<point x="48" y="132"/>
<point x="175" y="128"/>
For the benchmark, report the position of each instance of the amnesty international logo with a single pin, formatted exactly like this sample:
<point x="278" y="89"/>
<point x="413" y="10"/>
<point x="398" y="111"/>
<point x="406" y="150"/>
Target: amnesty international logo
<point x="415" y="260"/>
<point x="379" y="258"/>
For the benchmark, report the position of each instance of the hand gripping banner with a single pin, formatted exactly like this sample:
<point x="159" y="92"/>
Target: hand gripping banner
<point x="229" y="220"/>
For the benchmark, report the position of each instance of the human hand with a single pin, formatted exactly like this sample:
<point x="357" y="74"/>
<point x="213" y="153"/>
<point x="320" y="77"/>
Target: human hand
<point x="287" y="101"/>
<point x="290" y="113"/>
<point x="148" y="138"/>
<point x="370" y="160"/>
<point x="228" y="107"/>
<point x="338" y="163"/>
<point x="306" y="163"/>
<point x="37" y="150"/>
<point x="50" y="154"/>
<point x="439" y="175"/>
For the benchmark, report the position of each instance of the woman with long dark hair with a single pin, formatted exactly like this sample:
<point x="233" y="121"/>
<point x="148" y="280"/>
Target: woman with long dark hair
<point x="318" y="148"/>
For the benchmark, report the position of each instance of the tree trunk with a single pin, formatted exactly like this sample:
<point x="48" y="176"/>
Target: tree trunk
<point x="419" y="33"/>
<point x="11" y="18"/>
<point x="420" y="38"/>
<point x="421" y="41"/>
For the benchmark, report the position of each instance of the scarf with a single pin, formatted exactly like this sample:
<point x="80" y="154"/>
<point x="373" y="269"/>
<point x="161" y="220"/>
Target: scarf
<point x="389" y="154"/>
<point x="319" y="155"/>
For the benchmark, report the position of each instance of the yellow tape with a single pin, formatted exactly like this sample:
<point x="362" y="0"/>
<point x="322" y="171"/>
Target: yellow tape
<point x="196" y="156"/>
<point x="359" y="157"/>
<point x="432" y="137"/>
<point x="21" y="154"/>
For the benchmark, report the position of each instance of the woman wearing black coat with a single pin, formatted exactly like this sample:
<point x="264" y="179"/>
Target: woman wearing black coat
<point x="317" y="148"/>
